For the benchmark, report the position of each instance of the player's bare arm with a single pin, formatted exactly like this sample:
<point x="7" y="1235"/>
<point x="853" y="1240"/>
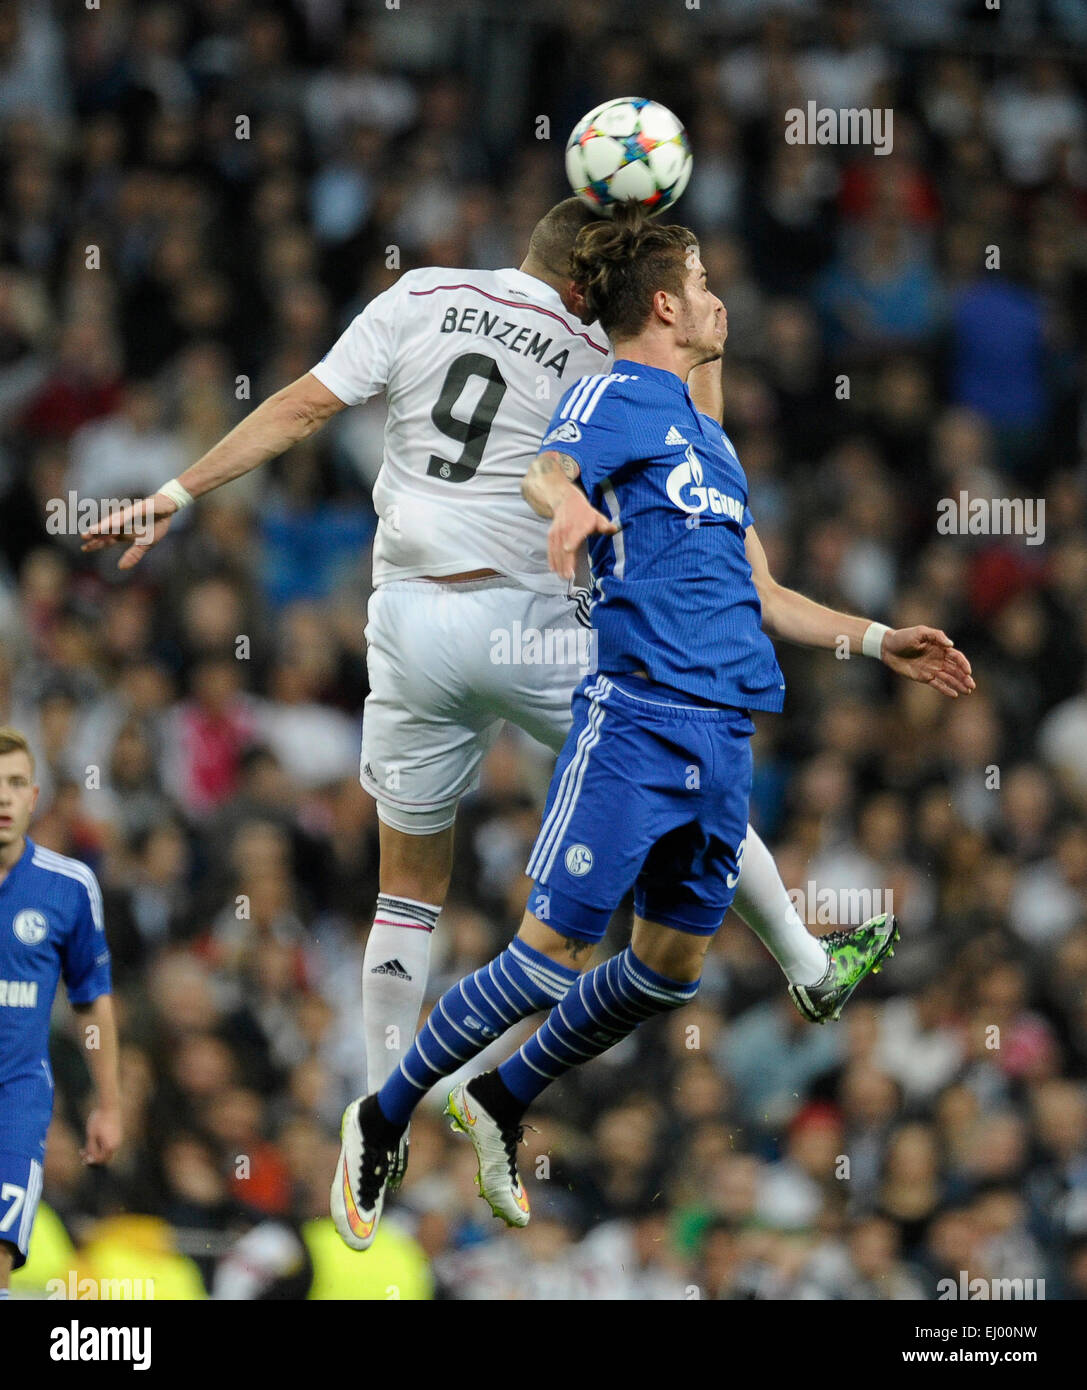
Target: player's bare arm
<point x="707" y="389"/>
<point x="549" y="488"/>
<point x="923" y="654"/>
<point x="98" y="1028"/>
<point x="285" y="418"/>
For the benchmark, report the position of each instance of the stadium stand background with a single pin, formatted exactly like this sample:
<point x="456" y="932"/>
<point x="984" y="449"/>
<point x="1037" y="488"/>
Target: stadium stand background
<point x="687" y="1163"/>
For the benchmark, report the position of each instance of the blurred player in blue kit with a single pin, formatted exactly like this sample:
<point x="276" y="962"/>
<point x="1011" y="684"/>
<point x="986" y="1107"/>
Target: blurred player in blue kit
<point x="50" y="925"/>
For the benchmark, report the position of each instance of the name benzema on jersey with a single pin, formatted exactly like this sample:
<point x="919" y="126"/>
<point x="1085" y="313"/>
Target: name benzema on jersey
<point x="497" y="329"/>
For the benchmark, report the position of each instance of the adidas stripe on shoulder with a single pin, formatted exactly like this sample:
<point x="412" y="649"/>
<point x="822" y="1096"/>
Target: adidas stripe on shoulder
<point x="585" y="396"/>
<point x="74" y="869"/>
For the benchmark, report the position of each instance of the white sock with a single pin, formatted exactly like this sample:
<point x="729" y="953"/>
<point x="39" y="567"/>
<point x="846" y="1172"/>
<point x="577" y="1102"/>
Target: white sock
<point x="762" y="902"/>
<point x="394" y="976"/>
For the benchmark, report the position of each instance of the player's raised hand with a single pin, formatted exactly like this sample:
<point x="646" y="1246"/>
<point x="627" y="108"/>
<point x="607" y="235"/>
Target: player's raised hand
<point x="142" y="523"/>
<point x="103" y="1136"/>
<point x="573" y="522"/>
<point x="928" y="655"/>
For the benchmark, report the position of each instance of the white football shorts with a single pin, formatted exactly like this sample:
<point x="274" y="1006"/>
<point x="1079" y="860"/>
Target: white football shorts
<point x="448" y="662"/>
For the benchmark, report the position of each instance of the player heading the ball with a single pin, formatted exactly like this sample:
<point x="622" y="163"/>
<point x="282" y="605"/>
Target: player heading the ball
<point x="684" y="615"/>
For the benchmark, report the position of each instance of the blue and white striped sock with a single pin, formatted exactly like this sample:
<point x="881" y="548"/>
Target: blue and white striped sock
<point x="605" y="1007"/>
<point x="518" y="983"/>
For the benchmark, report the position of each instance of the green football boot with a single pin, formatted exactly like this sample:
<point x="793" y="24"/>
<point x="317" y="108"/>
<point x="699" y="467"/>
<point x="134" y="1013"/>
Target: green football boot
<point x="399" y="1165"/>
<point x="853" y="955"/>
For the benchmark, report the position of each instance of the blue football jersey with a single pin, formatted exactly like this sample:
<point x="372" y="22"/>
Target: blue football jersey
<point x="674" y="591"/>
<point x="50" y="925"/>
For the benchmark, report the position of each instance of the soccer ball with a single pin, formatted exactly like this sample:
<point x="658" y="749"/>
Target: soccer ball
<point x="628" y="150"/>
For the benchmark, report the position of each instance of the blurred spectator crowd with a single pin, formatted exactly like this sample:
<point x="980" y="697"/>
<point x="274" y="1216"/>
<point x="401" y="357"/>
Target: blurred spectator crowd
<point x="197" y="198"/>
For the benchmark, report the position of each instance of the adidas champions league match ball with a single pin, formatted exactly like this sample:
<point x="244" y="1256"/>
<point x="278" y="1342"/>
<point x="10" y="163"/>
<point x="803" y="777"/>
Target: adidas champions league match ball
<point x="628" y="150"/>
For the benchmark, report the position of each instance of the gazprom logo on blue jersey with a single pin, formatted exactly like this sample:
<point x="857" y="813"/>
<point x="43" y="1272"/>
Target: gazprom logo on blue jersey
<point x="18" y="994"/>
<point x="685" y="488"/>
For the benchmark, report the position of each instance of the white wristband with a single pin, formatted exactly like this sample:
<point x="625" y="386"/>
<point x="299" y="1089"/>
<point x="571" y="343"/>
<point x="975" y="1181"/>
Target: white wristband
<point x="179" y="496"/>
<point x="872" y="641"/>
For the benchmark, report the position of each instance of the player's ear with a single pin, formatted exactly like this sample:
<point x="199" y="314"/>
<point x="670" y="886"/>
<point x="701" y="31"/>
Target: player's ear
<point x="664" y="306"/>
<point x="573" y="298"/>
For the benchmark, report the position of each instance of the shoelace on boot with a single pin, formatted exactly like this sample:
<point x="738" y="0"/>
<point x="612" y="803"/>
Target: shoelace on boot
<point x="373" y="1170"/>
<point x="512" y="1140"/>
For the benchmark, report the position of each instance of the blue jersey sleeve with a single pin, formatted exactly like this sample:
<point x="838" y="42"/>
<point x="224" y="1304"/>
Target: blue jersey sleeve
<point x="592" y="425"/>
<point x="85" y="957"/>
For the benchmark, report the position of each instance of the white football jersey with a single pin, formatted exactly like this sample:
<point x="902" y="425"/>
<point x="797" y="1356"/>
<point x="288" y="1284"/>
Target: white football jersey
<point x="473" y="364"/>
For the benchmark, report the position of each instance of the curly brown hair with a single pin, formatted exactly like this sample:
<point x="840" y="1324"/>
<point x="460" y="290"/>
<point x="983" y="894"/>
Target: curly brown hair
<point x="621" y="264"/>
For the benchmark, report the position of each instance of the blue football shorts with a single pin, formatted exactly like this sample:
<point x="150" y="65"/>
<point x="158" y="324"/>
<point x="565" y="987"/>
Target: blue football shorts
<point x="649" y="792"/>
<point x="20" y="1192"/>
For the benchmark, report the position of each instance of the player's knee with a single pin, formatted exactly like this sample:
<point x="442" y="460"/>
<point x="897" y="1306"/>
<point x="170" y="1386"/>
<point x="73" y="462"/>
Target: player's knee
<point x="676" y="955"/>
<point x="415" y="863"/>
<point x="570" y="951"/>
